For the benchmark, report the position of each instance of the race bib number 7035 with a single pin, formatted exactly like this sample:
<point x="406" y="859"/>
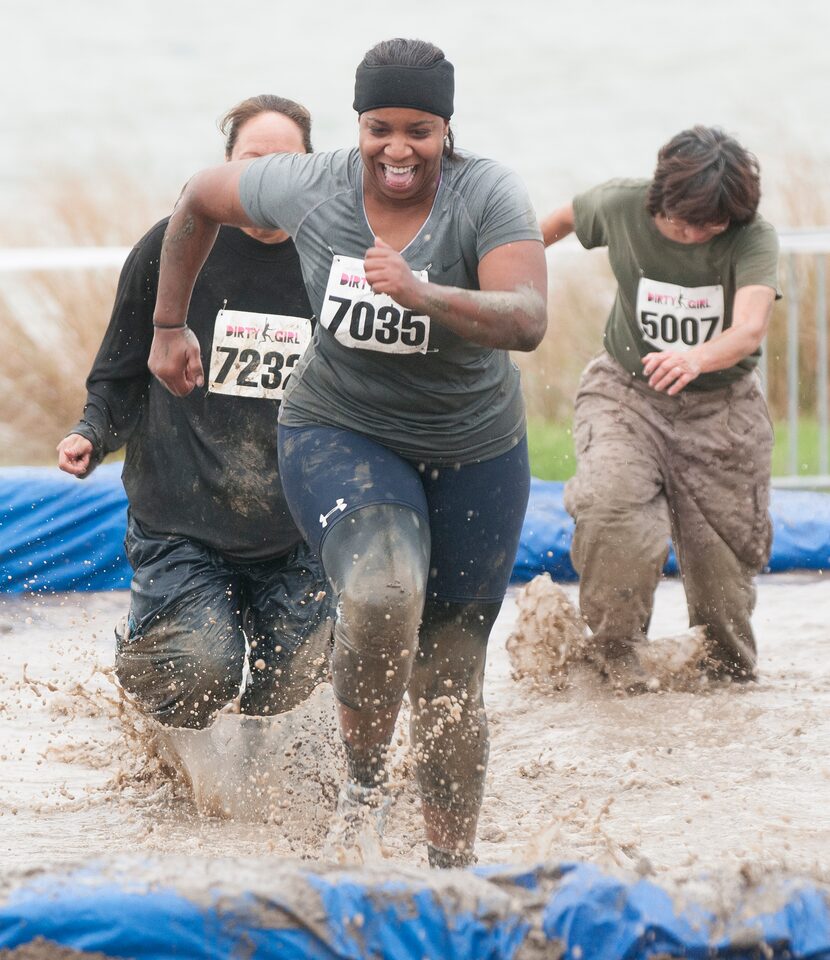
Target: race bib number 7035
<point x="253" y="354"/>
<point x="670" y="317"/>
<point x="363" y="320"/>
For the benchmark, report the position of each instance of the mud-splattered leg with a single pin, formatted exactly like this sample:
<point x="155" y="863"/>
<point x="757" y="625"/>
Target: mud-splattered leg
<point x="377" y="560"/>
<point x="449" y="725"/>
<point x="182" y="655"/>
<point x="719" y="496"/>
<point x="622" y="527"/>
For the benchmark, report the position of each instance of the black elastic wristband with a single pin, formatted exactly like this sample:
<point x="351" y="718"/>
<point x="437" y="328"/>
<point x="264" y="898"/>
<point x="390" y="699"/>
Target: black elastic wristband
<point x="169" y="326"/>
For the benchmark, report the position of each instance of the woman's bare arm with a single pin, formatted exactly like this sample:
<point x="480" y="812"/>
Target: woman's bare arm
<point x="208" y="200"/>
<point x="557" y="225"/>
<point x="508" y="312"/>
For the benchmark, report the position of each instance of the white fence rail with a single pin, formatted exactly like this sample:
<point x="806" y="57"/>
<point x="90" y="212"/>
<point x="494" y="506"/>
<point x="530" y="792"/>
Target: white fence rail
<point x="27" y="259"/>
<point x="795" y="245"/>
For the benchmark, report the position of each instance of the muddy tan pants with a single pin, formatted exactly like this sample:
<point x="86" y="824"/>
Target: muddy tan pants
<point x="696" y="467"/>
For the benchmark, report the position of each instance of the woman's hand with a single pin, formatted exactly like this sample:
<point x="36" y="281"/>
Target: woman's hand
<point x="75" y="455"/>
<point x="670" y="371"/>
<point x="176" y="360"/>
<point x="387" y="272"/>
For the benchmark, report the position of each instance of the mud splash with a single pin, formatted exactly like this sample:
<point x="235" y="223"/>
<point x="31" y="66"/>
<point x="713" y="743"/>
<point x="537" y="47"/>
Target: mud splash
<point x="682" y="783"/>
<point x="550" y="646"/>
<point x="263" y="770"/>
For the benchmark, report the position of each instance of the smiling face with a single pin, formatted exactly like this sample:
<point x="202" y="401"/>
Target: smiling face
<point x="401" y="150"/>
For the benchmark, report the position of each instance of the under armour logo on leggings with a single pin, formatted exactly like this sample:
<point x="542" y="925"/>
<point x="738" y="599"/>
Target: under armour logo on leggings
<point x="339" y="504"/>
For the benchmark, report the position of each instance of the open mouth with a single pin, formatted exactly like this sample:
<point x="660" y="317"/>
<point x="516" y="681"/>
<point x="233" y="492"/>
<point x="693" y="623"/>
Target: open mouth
<point x="398" y="178"/>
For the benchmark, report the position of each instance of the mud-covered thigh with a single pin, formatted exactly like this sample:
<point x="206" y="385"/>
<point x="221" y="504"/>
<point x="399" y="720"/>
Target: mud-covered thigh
<point x="474" y="511"/>
<point x="618" y="461"/>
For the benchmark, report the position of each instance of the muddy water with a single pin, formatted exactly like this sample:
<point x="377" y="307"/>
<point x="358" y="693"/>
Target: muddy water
<point x="679" y="783"/>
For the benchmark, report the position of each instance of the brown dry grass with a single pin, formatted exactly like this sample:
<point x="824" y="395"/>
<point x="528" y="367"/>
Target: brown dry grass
<point x="105" y="210"/>
<point x="52" y="333"/>
<point x="53" y="321"/>
<point x="580" y="296"/>
<point x="805" y="202"/>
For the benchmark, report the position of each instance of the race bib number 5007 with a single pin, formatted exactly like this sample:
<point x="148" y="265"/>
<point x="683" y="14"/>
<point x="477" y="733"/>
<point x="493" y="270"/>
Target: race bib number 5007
<point x="364" y="320"/>
<point x="253" y="354"/>
<point x="678" y="318"/>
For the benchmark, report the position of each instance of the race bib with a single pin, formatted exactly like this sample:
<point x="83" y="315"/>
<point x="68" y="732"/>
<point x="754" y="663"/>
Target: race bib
<point x="363" y="320"/>
<point x="253" y="353"/>
<point x="678" y="318"/>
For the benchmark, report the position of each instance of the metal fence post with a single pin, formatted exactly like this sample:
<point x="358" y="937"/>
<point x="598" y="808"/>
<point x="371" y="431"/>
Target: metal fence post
<point x="821" y="361"/>
<point x="792" y="366"/>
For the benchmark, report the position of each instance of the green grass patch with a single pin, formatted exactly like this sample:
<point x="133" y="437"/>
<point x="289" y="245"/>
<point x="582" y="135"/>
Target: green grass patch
<point x="808" y="448"/>
<point x="551" y="449"/>
<point x="552" y="453"/>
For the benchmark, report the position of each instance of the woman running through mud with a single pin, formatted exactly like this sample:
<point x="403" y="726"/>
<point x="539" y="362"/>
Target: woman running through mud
<point x="671" y="429"/>
<point x="402" y="432"/>
<point x="211" y="567"/>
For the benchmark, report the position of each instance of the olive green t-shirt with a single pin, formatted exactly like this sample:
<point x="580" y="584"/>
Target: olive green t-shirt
<point x="671" y="295"/>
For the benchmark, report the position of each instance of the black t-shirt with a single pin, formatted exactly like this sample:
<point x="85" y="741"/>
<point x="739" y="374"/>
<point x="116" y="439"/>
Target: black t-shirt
<point x="203" y="466"/>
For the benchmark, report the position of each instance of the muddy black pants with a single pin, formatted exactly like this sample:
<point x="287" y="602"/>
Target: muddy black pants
<point x="183" y="650"/>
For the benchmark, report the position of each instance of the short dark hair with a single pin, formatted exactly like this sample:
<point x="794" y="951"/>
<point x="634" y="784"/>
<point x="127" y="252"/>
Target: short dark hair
<point x="401" y="52"/>
<point x="704" y="176"/>
<point x="238" y="116"/>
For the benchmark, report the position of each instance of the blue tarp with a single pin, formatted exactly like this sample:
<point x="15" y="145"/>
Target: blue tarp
<point x="147" y="910"/>
<point x="59" y="533"/>
<point x="800" y="521"/>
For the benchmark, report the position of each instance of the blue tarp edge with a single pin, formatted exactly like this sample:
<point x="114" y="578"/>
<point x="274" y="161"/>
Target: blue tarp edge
<point x="58" y="533"/>
<point x="592" y="915"/>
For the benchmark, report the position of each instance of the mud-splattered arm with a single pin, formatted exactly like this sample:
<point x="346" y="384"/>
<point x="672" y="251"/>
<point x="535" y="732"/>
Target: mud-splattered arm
<point x="209" y="199"/>
<point x="508" y="312"/>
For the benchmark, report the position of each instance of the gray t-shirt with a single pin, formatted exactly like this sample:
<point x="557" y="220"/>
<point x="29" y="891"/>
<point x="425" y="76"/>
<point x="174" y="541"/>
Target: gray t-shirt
<point x="374" y="367"/>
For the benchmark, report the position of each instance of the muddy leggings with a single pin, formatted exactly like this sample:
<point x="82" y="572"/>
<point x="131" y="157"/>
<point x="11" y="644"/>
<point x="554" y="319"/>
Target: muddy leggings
<point x="378" y="566"/>
<point x="419" y="556"/>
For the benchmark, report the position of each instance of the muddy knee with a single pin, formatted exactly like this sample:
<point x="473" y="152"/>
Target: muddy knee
<point x="375" y="640"/>
<point x="377" y="561"/>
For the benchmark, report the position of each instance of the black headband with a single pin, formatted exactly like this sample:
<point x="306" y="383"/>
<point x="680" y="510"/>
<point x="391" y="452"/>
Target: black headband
<point x="430" y="89"/>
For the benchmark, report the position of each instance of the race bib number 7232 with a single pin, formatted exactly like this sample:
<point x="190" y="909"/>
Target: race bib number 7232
<point x="363" y="320"/>
<point x="253" y="354"/>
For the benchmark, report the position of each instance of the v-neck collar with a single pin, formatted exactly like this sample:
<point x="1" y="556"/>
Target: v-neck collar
<point x="361" y="205"/>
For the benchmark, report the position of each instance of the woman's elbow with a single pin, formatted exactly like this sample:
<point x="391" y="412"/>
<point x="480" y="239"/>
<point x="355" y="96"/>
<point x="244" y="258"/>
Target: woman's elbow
<point x="192" y="199"/>
<point x="211" y="195"/>
<point x="532" y="332"/>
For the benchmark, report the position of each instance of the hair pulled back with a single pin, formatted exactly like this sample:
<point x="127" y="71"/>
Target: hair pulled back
<point x="233" y="121"/>
<point x="401" y="52"/>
